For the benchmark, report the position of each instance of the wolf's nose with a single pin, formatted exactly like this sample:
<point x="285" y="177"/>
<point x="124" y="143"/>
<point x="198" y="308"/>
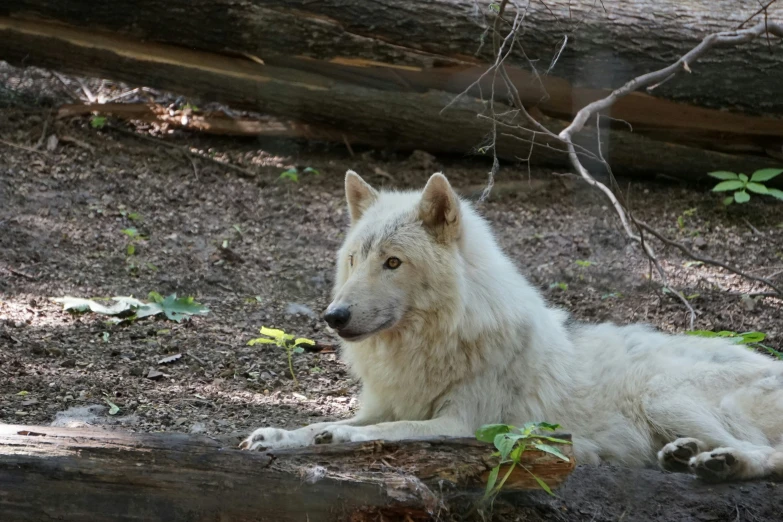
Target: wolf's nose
<point x="338" y="317"/>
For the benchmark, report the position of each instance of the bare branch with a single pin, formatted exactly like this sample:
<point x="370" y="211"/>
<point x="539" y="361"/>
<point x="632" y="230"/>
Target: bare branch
<point x="721" y="39"/>
<point x="706" y="260"/>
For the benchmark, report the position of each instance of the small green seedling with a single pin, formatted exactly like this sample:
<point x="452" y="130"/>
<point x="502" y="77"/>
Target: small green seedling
<point x="560" y="285"/>
<point x="98" y="122"/>
<point x="280" y="338"/>
<point x="750" y="339"/>
<point x="511" y="442"/>
<point x="292" y="174"/>
<point x="135" y="237"/>
<point x="741" y="185"/>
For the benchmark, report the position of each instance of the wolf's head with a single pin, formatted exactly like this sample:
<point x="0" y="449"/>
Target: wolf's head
<point x="398" y="259"/>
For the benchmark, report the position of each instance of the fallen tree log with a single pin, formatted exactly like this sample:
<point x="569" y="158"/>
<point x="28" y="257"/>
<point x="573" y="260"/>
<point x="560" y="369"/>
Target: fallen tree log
<point x="85" y="475"/>
<point x="379" y="73"/>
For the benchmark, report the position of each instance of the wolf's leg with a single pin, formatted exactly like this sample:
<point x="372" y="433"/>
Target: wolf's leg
<point x="267" y="438"/>
<point x="676" y="456"/>
<point x="738" y="464"/>
<point x="372" y="411"/>
<point x="397" y="430"/>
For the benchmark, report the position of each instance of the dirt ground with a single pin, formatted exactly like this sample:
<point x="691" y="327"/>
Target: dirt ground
<point x="63" y="209"/>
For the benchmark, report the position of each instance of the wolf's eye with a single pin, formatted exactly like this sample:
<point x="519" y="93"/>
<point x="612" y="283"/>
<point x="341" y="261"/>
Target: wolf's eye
<point x="350" y="260"/>
<point x="392" y="263"/>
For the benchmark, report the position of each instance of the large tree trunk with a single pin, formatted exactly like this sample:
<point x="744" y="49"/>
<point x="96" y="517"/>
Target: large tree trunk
<point x="86" y="475"/>
<point x="382" y="72"/>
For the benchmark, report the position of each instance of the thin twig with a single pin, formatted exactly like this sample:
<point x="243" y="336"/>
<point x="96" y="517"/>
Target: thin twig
<point x="762" y="9"/>
<point x="42" y="139"/>
<point x="243" y="172"/>
<point x="706" y="260"/>
<point x="19" y="273"/>
<point x="22" y="147"/>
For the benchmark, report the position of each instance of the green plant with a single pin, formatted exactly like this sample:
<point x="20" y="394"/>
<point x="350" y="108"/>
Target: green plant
<point x="98" y="122"/>
<point x="292" y="174"/>
<point x="131" y="309"/>
<point x="741" y="184"/>
<point x="280" y="338"/>
<point x="750" y="339"/>
<point x="135" y="237"/>
<point x="560" y="285"/>
<point x="511" y="442"/>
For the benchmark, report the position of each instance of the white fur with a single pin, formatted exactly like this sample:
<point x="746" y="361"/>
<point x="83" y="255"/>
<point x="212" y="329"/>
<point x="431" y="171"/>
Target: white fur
<point x="472" y="343"/>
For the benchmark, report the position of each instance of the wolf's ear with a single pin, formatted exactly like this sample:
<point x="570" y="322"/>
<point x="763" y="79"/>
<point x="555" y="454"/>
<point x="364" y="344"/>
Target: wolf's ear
<point x="360" y="195"/>
<point x="439" y="209"/>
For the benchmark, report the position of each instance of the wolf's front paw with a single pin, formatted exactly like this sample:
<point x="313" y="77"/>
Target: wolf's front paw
<point x="676" y="456"/>
<point x="270" y="438"/>
<point x="337" y="434"/>
<point x="716" y="465"/>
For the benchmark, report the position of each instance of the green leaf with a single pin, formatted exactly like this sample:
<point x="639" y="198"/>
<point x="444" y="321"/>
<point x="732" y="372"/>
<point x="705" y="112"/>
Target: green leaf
<point x="743" y="178"/>
<point x="493" y="478"/>
<point x="701" y="333"/>
<point x="298" y="349"/>
<point x="311" y="170"/>
<point x="553" y="439"/>
<point x="273" y="332"/>
<point x="775" y="193"/>
<point x="488" y="432"/>
<point x="130" y="232"/>
<point x="772" y="351"/>
<point x="155" y="297"/>
<point x="547" y="426"/>
<point x="290" y="174"/>
<point x="752" y="337"/>
<point x="728" y="185"/>
<point x="542" y="484"/>
<point x="741" y="196"/>
<point x="302" y="340"/>
<point x="181" y="308"/>
<point x="722" y="174"/>
<point x="23" y="393"/>
<point x="504" y="445"/>
<point x="261" y="340"/>
<point x="552" y="450"/>
<point x="765" y="174"/>
<point x="130" y="249"/>
<point x="98" y="122"/>
<point x="728" y="201"/>
<point x="584" y="263"/>
<point x="758" y="188"/>
<point x="113" y="409"/>
<point x="516" y="454"/>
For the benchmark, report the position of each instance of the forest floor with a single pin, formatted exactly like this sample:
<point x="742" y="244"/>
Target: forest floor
<point x="259" y="251"/>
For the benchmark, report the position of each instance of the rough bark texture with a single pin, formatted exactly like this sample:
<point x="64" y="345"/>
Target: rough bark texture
<point x="86" y="475"/>
<point x="381" y="72"/>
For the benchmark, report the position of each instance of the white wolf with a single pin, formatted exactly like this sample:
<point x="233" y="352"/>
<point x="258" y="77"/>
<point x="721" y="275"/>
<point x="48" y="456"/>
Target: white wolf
<point x="446" y="335"/>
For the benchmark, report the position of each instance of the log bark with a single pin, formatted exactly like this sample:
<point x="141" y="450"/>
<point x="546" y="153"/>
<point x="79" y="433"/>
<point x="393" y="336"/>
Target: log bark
<point x="85" y="475"/>
<point x="382" y="72"/>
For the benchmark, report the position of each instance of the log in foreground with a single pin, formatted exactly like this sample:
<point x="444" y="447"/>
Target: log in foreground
<point x="97" y="475"/>
<point x="379" y="75"/>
